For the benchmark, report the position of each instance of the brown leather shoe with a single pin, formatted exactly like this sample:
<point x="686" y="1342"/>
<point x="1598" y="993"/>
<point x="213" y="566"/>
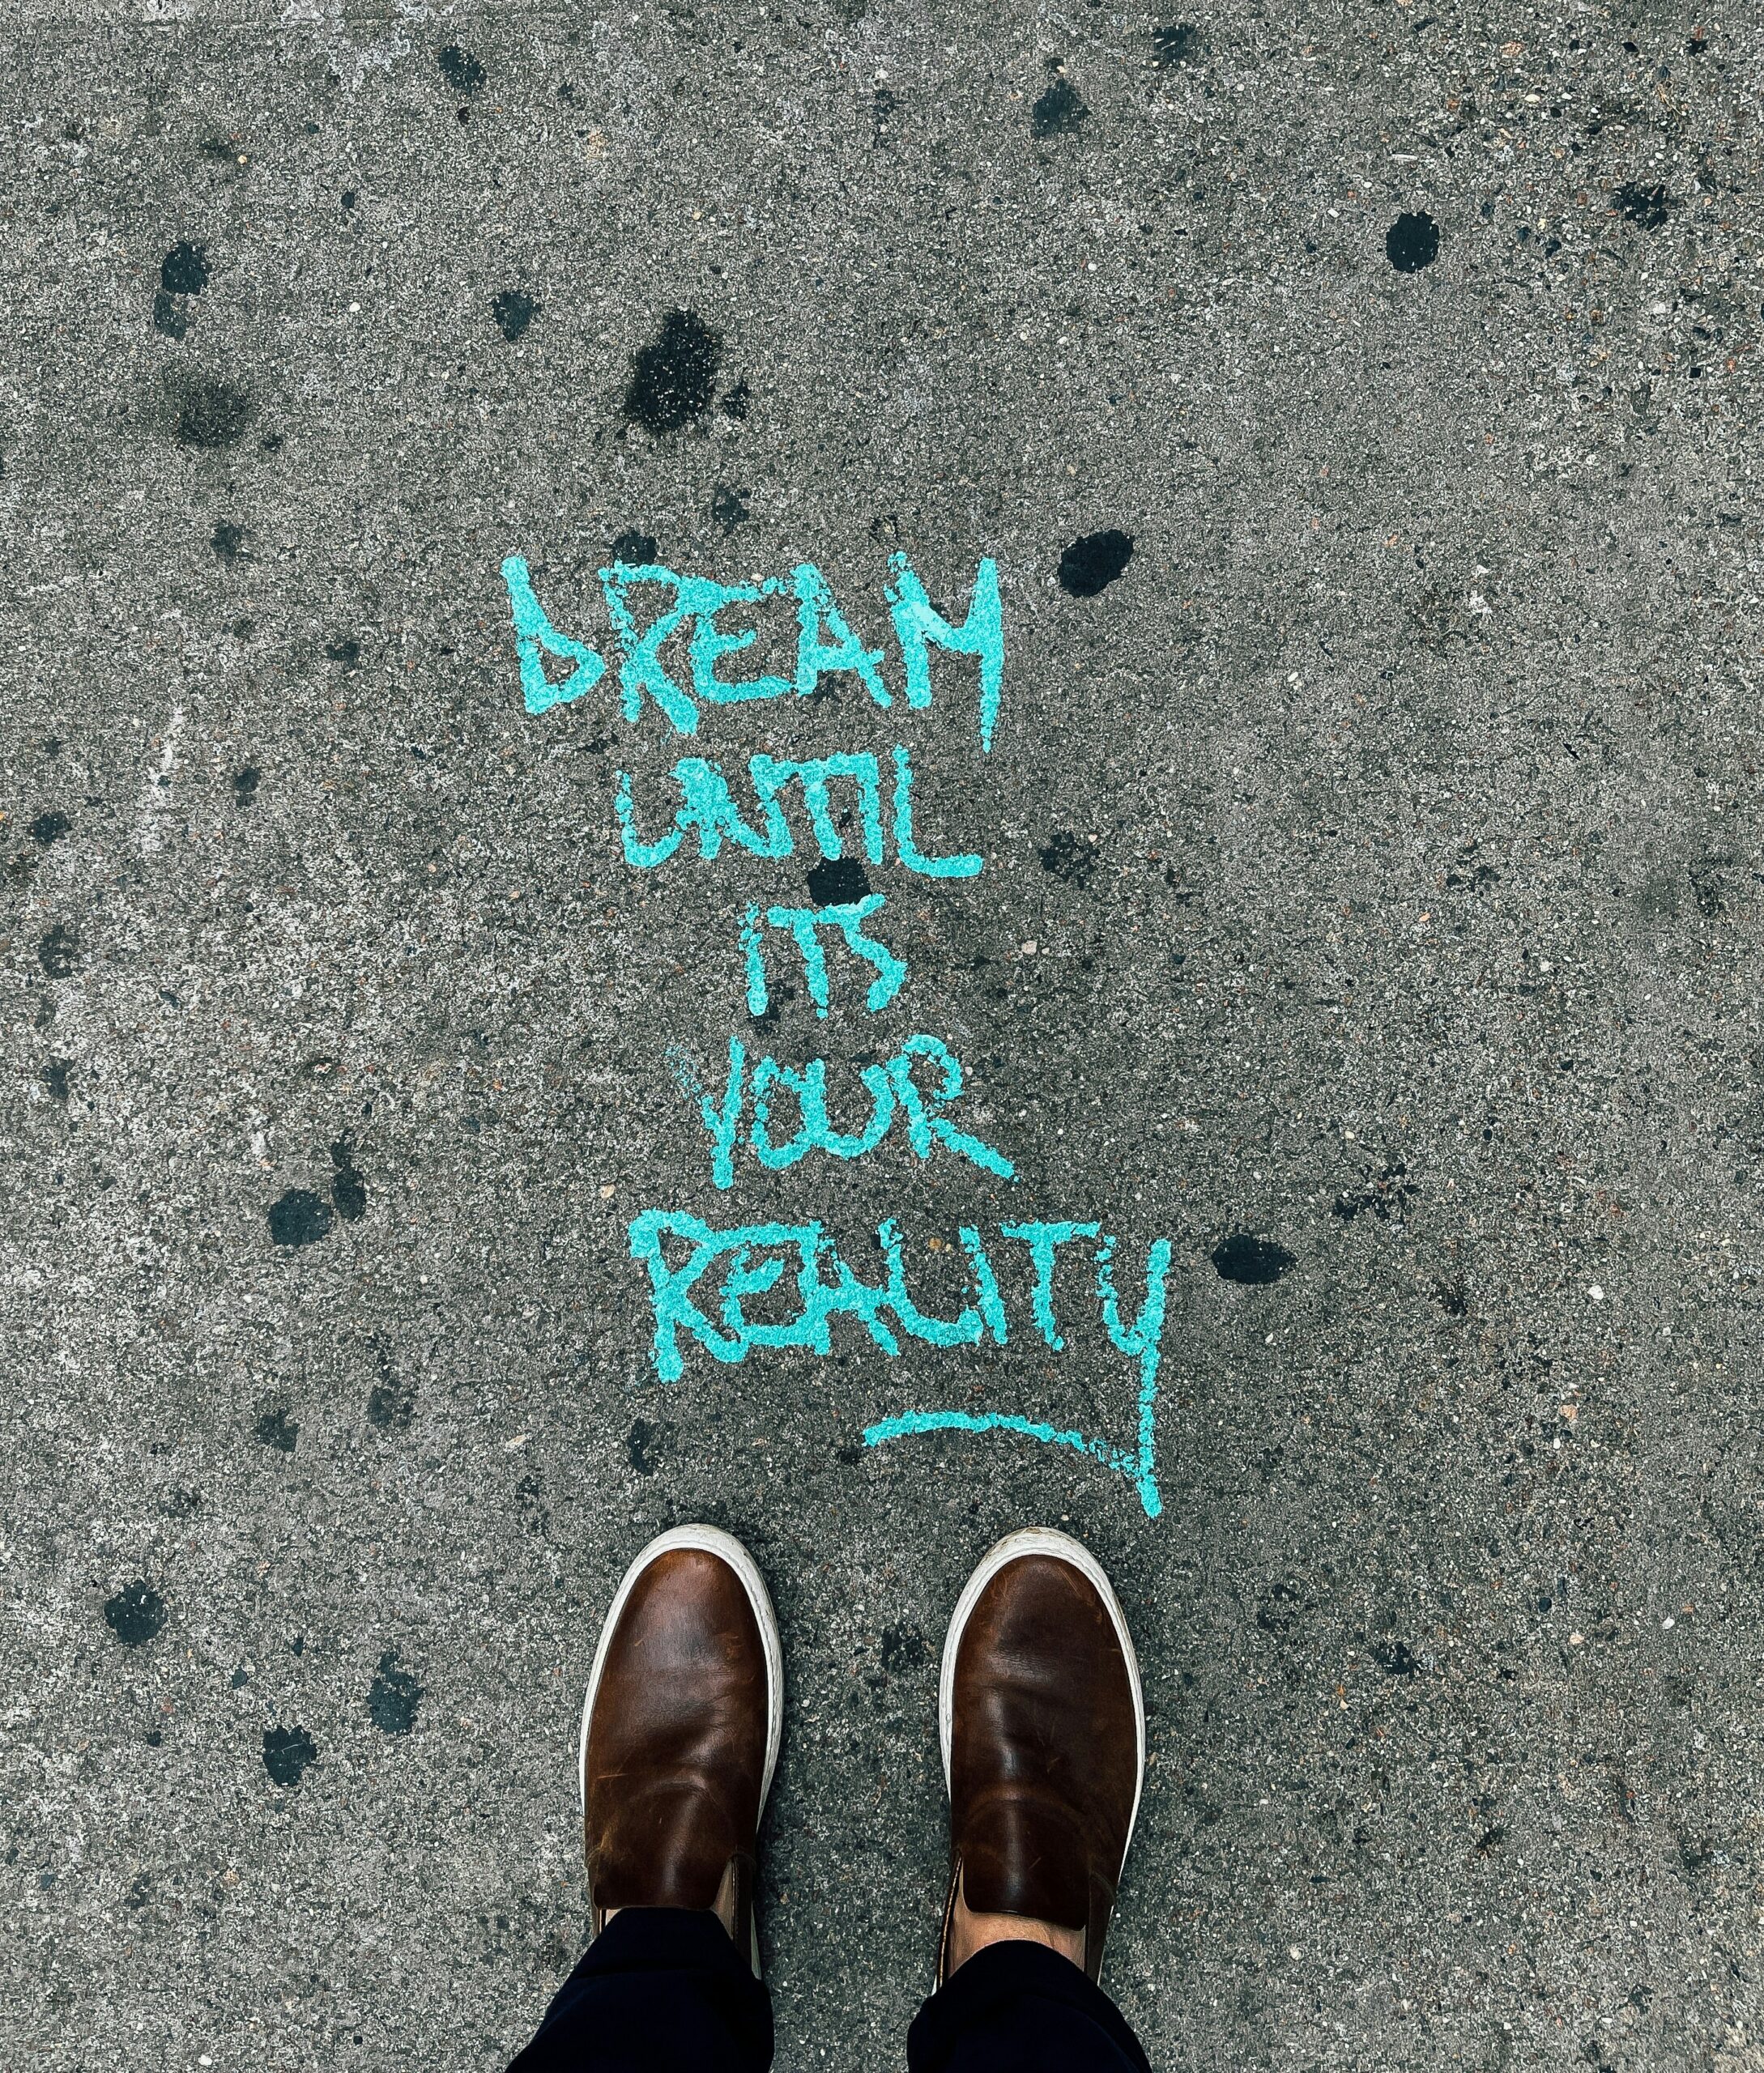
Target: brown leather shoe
<point x="681" y="1730"/>
<point x="1043" y="1731"/>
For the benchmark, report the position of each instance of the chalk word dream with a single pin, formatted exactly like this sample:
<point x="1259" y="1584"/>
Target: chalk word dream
<point x="752" y="1259"/>
<point x="825" y="644"/>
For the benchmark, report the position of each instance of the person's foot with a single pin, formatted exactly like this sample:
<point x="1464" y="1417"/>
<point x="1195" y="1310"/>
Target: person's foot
<point x="1043" y="1731"/>
<point x="680" y="1731"/>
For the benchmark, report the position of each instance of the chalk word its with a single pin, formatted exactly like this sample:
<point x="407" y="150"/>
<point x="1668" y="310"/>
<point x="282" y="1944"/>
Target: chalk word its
<point x="825" y="645"/>
<point x="805" y="924"/>
<point x="753" y="1258"/>
<point x="708" y="807"/>
<point x="892" y="1089"/>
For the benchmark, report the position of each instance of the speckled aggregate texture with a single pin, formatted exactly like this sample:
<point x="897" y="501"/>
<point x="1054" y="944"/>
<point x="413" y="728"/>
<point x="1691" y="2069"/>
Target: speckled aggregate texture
<point x="1372" y="906"/>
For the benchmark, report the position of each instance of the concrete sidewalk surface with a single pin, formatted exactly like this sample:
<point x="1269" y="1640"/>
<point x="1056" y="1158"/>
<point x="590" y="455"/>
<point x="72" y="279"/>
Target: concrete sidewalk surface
<point x="1356" y="409"/>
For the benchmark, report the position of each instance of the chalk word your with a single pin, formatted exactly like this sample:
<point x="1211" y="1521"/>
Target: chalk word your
<point x="892" y="1088"/>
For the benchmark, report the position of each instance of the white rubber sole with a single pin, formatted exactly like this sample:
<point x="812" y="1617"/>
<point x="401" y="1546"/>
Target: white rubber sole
<point x="711" y="1540"/>
<point x="1059" y="1547"/>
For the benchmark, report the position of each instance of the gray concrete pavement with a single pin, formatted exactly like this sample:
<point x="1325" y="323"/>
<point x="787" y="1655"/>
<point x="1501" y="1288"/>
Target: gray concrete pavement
<point x="1371" y="907"/>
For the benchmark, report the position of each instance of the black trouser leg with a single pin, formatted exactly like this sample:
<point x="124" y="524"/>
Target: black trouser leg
<point x="659" y="1990"/>
<point x="1020" y="2008"/>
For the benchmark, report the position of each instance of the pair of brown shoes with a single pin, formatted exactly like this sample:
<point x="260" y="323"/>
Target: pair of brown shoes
<point x="1039" y="1710"/>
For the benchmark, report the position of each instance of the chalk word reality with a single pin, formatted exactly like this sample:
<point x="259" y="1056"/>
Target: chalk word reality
<point x="756" y="1256"/>
<point x="751" y="1260"/>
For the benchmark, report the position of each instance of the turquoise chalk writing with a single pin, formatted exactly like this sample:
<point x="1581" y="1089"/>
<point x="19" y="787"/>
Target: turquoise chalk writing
<point x="919" y="626"/>
<point x="648" y="605"/>
<point x="845" y="918"/>
<point x="1044" y="1240"/>
<point x="817" y="614"/>
<point x="680" y="645"/>
<point x="985" y="1313"/>
<point x="708" y="810"/>
<point x="1137" y="1467"/>
<point x="893" y="1090"/>
<point x="1141" y="1342"/>
<point x="751" y="1260"/>
<point x="536" y="637"/>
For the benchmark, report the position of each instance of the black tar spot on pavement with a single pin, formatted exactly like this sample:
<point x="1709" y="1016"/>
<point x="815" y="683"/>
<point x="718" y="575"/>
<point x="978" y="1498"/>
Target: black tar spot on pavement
<point x="1068" y="857"/>
<point x="184" y="270"/>
<point x="274" y="1428"/>
<point x="136" y="1614"/>
<point x="673" y="379"/>
<point x="299" y="1218"/>
<point x="288" y="1753"/>
<point x="1386" y="1195"/>
<point x="736" y="403"/>
<point x="729" y="507"/>
<point x="55" y="1079"/>
<point x="210" y="414"/>
<point x="58" y="952"/>
<point x="1411" y="242"/>
<point x="646" y="1444"/>
<point x="345" y="648"/>
<point x="635" y="549"/>
<point x="49" y="827"/>
<point x="1646" y="208"/>
<point x="170" y="317"/>
<point x="1091" y="565"/>
<point x="903" y="1650"/>
<point x="227" y="540"/>
<point x="349" y="1189"/>
<point x="1244" y="1257"/>
<point x="245" y="783"/>
<point x="513" y="311"/>
<point x="838" y="882"/>
<point x="393" y="1696"/>
<point x="1394" y="1658"/>
<point x="391" y="1404"/>
<point x="1179" y="43"/>
<point x="460" y="68"/>
<point x="1059" y="112"/>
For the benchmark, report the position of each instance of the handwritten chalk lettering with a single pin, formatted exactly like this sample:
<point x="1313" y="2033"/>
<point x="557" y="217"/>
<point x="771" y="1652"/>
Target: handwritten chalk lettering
<point x="702" y="1294"/>
<point x="893" y="1090"/>
<point x="677" y="642"/>
<point x="707" y="810"/>
<point x="804" y="924"/>
<point x="536" y="638"/>
<point x="666" y="603"/>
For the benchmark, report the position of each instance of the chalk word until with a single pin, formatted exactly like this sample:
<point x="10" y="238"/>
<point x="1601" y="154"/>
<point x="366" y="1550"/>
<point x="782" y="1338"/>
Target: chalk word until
<point x="708" y="807"/>
<point x="752" y="1259"/>
<point x="825" y="644"/>
<point x="892" y="1088"/>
